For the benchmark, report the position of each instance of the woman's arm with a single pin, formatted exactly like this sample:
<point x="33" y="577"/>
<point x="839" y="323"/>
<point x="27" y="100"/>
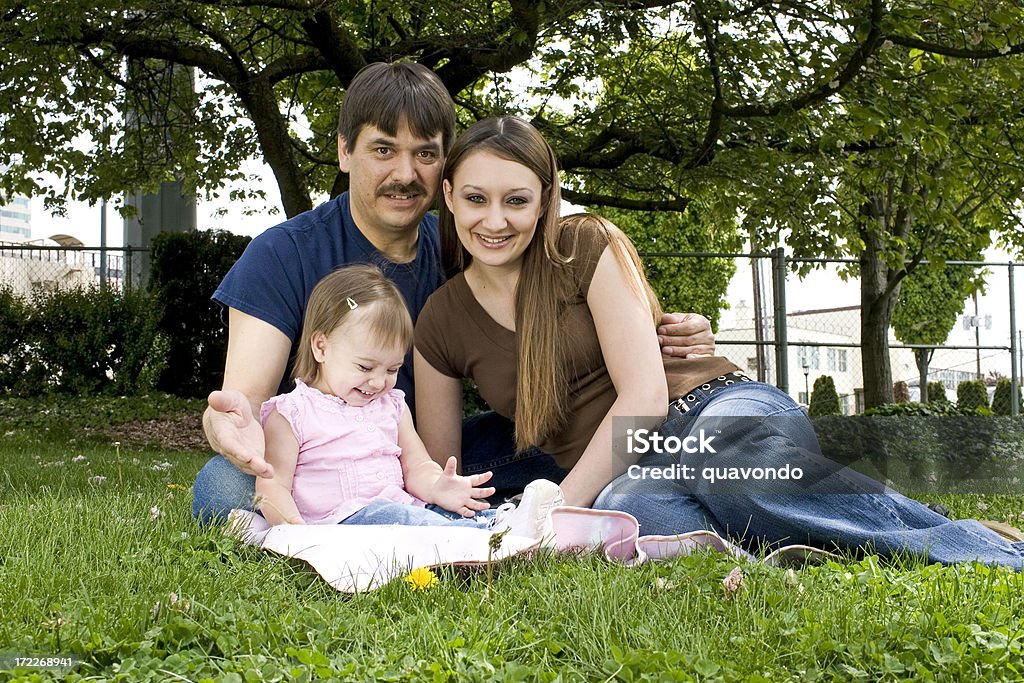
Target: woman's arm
<point x="631" y="352"/>
<point x="431" y="483"/>
<point x="438" y="411"/>
<point x="275" y="494"/>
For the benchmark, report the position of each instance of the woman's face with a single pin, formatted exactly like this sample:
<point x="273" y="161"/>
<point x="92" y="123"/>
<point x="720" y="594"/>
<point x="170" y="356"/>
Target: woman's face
<point x="496" y="204"/>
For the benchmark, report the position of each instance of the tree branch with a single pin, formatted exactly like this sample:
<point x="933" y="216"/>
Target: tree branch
<point x="594" y="199"/>
<point x="294" y="5"/>
<point x="705" y="154"/>
<point x="949" y="51"/>
<point x="338" y="48"/>
<point x="292" y="65"/>
<point x="146" y="46"/>
<point x="490" y="54"/>
<point x="847" y="73"/>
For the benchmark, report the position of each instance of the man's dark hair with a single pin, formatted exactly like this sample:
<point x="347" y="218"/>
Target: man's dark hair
<point x="384" y="94"/>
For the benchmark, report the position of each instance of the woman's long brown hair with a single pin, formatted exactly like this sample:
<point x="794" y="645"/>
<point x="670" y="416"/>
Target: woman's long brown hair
<point x="545" y="282"/>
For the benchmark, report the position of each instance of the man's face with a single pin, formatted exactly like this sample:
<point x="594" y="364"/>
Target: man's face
<point x="392" y="178"/>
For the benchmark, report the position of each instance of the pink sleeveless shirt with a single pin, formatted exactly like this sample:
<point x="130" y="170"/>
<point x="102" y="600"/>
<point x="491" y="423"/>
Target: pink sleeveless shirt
<point x="348" y="455"/>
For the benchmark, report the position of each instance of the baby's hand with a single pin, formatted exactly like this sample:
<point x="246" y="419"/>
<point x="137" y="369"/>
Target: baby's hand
<point x="459" y="494"/>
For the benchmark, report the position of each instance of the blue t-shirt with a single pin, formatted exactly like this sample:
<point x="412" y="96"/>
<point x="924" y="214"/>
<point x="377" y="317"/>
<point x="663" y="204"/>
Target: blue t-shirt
<point x="274" y="277"/>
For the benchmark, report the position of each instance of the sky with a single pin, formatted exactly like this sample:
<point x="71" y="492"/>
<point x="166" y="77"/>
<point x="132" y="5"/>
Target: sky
<point x="83" y="221"/>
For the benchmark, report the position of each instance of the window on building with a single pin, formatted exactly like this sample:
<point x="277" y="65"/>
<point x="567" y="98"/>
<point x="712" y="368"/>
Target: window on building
<point x="808" y="356"/>
<point x="837" y="359"/>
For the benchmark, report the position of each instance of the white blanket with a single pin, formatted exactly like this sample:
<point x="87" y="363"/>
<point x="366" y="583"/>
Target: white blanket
<point x="354" y="558"/>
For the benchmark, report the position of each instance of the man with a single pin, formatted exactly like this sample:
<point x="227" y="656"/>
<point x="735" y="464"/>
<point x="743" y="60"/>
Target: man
<point x="396" y="124"/>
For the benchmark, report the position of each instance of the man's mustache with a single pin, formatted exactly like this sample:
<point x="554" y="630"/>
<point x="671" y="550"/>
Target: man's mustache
<point x="411" y="189"/>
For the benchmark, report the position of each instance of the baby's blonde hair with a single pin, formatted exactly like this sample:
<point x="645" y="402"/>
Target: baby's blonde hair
<point x="340" y="293"/>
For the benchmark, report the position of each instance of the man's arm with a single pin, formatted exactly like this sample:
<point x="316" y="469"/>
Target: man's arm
<point x="256" y="360"/>
<point x="686" y="334"/>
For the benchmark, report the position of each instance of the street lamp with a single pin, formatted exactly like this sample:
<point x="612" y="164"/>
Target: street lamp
<point x="807" y="385"/>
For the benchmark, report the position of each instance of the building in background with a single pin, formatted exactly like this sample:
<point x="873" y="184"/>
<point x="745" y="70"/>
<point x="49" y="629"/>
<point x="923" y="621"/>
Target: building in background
<point x="821" y="342"/>
<point x="825" y="341"/>
<point x="16" y="220"/>
<point x="32" y="267"/>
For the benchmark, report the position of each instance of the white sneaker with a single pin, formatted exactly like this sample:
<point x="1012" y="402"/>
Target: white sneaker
<point x="531" y="517"/>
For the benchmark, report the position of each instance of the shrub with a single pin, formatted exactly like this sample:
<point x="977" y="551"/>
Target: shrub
<point x="900" y="392"/>
<point x="14" y="346"/>
<point x="971" y="394"/>
<point x="141" y="347"/>
<point x="824" y="399"/>
<point x="914" y="409"/>
<point x="937" y="393"/>
<point x="68" y="328"/>
<point x="1001" y="397"/>
<point x="88" y="340"/>
<point x="186" y="268"/>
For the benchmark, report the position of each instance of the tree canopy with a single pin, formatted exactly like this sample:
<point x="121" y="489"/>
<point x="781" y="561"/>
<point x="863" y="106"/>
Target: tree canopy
<point x="656" y="96"/>
<point x="930" y="300"/>
<point x="889" y="131"/>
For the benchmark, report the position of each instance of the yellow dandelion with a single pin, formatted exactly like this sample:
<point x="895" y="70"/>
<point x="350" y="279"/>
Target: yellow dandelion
<point x="421" y="578"/>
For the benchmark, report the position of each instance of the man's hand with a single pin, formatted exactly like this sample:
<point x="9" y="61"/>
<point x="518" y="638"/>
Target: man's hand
<point x="460" y="494"/>
<point x="686" y="334"/>
<point x="234" y="432"/>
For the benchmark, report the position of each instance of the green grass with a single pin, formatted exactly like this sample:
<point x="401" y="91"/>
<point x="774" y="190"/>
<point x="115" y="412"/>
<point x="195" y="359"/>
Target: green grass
<point x="89" y="569"/>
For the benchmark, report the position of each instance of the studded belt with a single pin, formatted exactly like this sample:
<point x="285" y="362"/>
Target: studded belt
<point x="687" y="402"/>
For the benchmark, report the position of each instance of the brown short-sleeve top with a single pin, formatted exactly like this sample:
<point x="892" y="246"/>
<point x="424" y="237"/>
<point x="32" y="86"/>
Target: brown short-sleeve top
<point x="459" y="339"/>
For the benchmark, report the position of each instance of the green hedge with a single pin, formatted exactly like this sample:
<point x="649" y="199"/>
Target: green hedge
<point x="824" y="399"/>
<point x="88" y="341"/>
<point x="79" y="340"/>
<point x="921" y="448"/>
<point x="937" y="393"/>
<point x="1001" y="397"/>
<point x="930" y="409"/>
<point x="14" y="344"/>
<point x="186" y="268"/>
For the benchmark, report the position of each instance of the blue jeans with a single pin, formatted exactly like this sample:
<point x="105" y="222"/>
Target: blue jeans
<point x="865" y="516"/>
<point x="387" y="512"/>
<point x="488" y="444"/>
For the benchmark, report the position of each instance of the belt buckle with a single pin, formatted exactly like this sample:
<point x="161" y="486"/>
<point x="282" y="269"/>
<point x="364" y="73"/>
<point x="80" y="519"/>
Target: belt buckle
<point x="683" y="405"/>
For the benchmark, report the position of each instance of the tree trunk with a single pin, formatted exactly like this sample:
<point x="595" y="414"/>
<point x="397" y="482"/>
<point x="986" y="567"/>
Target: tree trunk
<point x="923" y="358"/>
<point x="876" y="306"/>
<point x="341" y="183"/>
<point x="876" y="314"/>
<point x="272" y="132"/>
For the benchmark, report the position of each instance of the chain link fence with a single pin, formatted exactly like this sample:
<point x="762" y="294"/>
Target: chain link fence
<point x="32" y="268"/>
<point x="780" y="328"/>
<point x="788" y="331"/>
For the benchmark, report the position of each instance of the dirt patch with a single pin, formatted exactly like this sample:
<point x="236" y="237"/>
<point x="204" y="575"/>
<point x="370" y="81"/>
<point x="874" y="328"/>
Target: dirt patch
<point x="175" y="433"/>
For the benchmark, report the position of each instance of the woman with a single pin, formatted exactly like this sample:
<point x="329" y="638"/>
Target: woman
<point x="554" y="321"/>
